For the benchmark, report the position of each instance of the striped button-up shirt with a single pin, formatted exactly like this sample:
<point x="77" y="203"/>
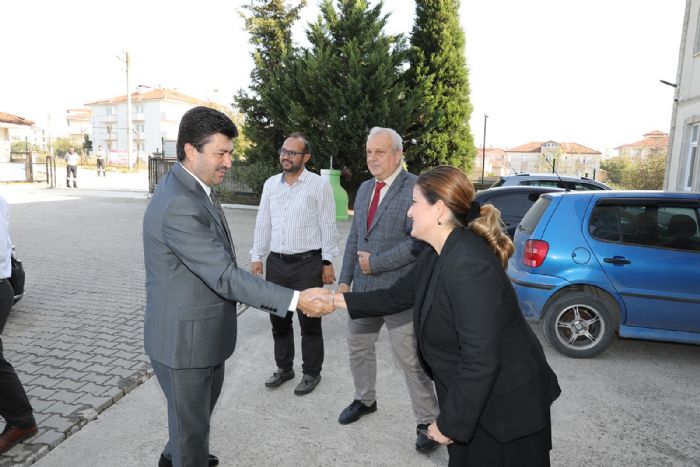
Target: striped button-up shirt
<point x="296" y="218"/>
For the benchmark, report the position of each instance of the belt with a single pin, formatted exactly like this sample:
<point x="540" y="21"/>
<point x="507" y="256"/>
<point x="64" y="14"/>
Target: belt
<point x="296" y="256"/>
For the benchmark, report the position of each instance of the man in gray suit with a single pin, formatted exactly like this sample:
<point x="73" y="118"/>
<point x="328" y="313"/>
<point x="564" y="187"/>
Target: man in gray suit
<point x="193" y="284"/>
<point x="378" y="251"/>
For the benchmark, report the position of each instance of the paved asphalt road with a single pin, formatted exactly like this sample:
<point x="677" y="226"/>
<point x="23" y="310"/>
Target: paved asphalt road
<point x="76" y="342"/>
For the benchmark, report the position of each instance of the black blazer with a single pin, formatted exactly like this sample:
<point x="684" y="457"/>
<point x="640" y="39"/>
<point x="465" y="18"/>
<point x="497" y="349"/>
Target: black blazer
<point x="488" y="366"/>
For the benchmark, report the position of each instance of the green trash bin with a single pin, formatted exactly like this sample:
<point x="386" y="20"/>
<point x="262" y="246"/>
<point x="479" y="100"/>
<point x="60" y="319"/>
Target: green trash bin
<point x="339" y="194"/>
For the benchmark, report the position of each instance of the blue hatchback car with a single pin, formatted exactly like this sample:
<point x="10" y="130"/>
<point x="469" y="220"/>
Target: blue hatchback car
<point x="589" y="264"/>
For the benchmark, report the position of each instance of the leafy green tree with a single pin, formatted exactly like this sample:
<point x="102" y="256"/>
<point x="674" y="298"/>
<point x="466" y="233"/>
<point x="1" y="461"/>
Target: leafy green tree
<point x="62" y="145"/>
<point x="616" y="168"/>
<point x="438" y="74"/>
<point x="647" y="172"/>
<point x="21" y="146"/>
<point x="269" y="24"/>
<point x="349" y="80"/>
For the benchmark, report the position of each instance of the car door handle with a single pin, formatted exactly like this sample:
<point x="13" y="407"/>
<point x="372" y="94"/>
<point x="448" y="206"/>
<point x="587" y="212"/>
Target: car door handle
<point x="617" y="260"/>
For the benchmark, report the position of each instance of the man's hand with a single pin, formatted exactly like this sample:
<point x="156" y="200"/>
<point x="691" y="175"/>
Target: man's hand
<point x="342" y="288"/>
<point x="363" y="258"/>
<point x="256" y="268"/>
<point x="328" y="274"/>
<point x="435" y="435"/>
<point x="315" y="302"/>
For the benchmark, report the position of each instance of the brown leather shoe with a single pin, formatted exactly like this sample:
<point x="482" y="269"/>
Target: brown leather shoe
<point x="13" y="435"/>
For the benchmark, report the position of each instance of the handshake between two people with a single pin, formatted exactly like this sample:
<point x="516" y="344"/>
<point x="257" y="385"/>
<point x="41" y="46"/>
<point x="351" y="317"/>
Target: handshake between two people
<point x="317" y="302"/>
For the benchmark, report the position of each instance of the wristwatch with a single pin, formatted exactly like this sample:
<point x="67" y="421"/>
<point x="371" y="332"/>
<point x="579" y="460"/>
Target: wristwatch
<point x="326" y="262"/>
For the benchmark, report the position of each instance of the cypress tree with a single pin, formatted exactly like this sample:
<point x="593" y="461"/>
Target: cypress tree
<point x="269" y="24"/>
<point x="438" y="76"/>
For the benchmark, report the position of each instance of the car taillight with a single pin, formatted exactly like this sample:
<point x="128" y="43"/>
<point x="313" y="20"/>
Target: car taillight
<point x="535" y="253"/>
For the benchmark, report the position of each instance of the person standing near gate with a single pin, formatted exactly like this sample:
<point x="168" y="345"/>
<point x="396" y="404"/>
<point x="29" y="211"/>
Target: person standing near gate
<point x="72" y="159"/>
<point x="100" y="155"/>
<point x="296" y="225"/>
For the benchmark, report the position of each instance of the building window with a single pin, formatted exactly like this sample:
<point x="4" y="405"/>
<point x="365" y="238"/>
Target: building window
<point x="692" y="157"/>
<point x="696" y="49"/>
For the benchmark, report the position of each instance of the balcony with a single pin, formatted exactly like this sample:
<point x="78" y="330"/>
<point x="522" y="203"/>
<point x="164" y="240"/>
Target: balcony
<point x="138" y="117"/>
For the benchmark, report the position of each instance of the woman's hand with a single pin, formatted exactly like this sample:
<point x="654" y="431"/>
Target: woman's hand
<point x="435" y="435"/>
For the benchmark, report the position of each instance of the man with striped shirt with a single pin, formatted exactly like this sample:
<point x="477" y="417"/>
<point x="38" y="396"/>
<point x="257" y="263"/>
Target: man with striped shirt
<point x="296" y="226"/>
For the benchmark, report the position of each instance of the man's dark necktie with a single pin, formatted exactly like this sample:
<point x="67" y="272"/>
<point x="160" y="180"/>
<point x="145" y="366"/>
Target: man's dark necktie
<point x="222" y="217"/>
<point x="375" y="202"/>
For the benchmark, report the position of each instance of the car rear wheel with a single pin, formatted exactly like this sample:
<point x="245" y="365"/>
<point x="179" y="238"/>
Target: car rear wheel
<point x="579" y="325"/>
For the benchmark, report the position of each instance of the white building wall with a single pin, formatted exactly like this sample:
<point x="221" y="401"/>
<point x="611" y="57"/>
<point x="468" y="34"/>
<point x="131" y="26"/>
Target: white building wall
<point x="686" y="113"/>
<point x="4" y="144"/>
<point x="161" y="119"/>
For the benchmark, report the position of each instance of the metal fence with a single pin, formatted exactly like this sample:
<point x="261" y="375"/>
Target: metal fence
<point x="28" y="167"/>
<point x="159" y="166"/>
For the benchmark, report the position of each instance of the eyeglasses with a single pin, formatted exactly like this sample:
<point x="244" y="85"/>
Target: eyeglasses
<point x="284" y="152"/>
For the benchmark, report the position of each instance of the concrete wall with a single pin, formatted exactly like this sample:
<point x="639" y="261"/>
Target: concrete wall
<point x="686" y="113"/>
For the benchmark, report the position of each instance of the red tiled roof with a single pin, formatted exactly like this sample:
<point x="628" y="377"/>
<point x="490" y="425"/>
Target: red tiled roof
<point x="152" y="95"/>
<point x="9" y="118"/>
<point x="491" y="151"/>
<point x="534" y="146"/>
<point x="567" y="148"/>
<point x="653" y="139"/>
<point x="79" y="114"/>
<point x="575" y="148"/>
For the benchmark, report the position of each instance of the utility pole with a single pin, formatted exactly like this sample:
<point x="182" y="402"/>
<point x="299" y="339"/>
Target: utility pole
<point x="483" y="151"/>
<point x="128" y="111"/>
<point x="50" y="142"/>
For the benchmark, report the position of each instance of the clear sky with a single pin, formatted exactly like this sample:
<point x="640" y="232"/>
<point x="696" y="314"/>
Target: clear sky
<point x="567" y="70"/>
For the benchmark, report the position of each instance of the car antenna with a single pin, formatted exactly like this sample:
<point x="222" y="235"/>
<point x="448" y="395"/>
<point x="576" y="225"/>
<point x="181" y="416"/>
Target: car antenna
<point x="515" y="171"/>
<point x="554" y="171"/>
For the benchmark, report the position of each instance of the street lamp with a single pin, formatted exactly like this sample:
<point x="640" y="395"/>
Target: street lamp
<point x="667" y="83"/>
<point x="483" y="151"/>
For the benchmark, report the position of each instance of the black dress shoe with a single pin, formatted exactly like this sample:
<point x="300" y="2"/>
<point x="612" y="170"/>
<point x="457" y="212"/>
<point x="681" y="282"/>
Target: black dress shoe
<point x="354" y="411"/>
<point x="165" y="462"/>
<point x="423" y="443"/>
<point x="307" y="384"/>
<point x="279" y="377"/>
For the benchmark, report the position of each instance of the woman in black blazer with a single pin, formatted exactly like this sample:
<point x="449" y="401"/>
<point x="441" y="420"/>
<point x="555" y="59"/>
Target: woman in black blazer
<point x="493" y="383"/>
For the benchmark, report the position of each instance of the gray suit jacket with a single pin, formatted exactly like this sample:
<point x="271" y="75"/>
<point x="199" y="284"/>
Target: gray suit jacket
<point x="192" y="282"/>
<point x="388" y="239"/>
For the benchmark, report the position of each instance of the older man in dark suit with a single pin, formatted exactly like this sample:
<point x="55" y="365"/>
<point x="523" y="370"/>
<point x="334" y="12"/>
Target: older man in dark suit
<point x="378" y="251"/>
<point x="193" y="284"/>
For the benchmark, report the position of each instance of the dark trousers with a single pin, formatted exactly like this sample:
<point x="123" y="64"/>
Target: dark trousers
<point x="74" y="170"/>
<point x="192" y="394"/>
<point x="299" y="275"/>
<point x="100" y="166"/>
<point x="14" y="405"/>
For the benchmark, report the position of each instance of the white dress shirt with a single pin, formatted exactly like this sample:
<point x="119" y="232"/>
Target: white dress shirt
<point x="389" y="180"/>
<point x="296" y="218"/>
<point x="5" y="242"/>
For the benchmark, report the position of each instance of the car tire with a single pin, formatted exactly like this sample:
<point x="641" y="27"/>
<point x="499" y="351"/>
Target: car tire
<point x="579" y="325"/>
